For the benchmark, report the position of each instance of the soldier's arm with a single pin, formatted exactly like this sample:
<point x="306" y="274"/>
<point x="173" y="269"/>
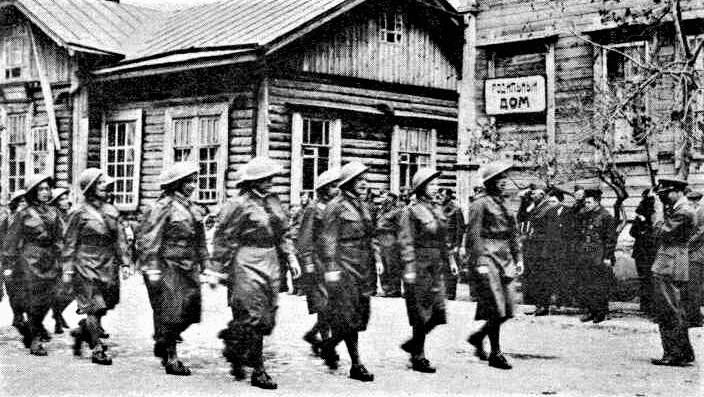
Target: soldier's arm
<point x="226" y="237"/>
<point x="122" y="247"/>
<point x="71" y="241"/>
<point x="472" y="235"/>
<point x="405" y="241"/>
<point x="306" y="238"/>
<point x="672" y="226"/>
<point x="151" y="238"/>
<point x="329" y="237"/>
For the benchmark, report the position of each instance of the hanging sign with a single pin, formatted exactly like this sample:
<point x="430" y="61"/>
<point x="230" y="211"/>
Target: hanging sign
<point x="514" y="95"/>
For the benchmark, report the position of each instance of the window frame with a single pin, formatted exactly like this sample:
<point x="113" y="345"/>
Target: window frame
<point x="397" y="30"/>
<point x="334" y="156"/>
<point x="16" y="32"/>
<point x="698" y="113"/>
<point x="29" y="129"/>
<point x="132" y="115"/>
<point x="220" y="110"/>
<point x="396" y="153"/>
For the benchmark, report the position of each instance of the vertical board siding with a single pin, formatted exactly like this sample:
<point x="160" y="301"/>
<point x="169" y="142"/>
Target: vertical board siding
<point x="350" y="46"/>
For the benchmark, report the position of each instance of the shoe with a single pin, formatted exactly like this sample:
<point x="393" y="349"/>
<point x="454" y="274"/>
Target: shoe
<point x="177" y="368"/>
<point x="478" y="344"/>
<point x="77" y="347"/>
<point x="601" y="317"/>
<point x="58" y="329"/>
<point x="44" y="336"/>
<point x="330" y="357"/>
<point x="499" y="361"/>
<point x="587" y="317"/>
<point x="360" y="373"/>
<point x="542" y="311"/>
<point x="422" y="365"/>
<point x="689" y="358"/>
<point x="670" y="362"/>
<point x="313" y="341"/>
<point x="100" y="357"/>
<point x="409" y="347"/>
<point x="262" y="380"/>
<point x="37" y="349"/>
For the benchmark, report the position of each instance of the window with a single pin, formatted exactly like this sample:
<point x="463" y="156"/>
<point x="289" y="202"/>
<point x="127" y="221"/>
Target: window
<point x="412" y="148"/>
<point x="621" y="71"/>
<point x="698" y="96"/>
<point x="29" y="150"/>
<point x="120" y="155"/>
<point x="390" y="27"/>
<point x="15" y="53"/>
<point x="315" y="147"/>
<point x="200" y="135"/>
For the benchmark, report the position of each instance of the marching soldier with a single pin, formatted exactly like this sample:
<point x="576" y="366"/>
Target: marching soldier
<point x="387" y="227"/>
<point x="595" y="243"/>
<point x="173" y="253"/>
<point x="33" y="244"/>
<point x="249" y="237"/>
<point x="308" y="247"/>
<point x="14" y="275"/>
<point x="455" y="229"/>
<point x="674" y="225"/>
<point x="347" y="253"/>
<point x="424" y="252"/>
<point x="64" y="293"/>
<point x="95" y="248"/>
<point x="492" y="243"/>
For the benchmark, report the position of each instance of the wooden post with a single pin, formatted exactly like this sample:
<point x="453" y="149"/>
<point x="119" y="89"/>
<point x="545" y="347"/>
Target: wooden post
<point x="550" y="97"/>
<point x="79" y="148"/>
<point x="262" y="126"/>
<point x="46" y="92"/>
<point x="467" y="112"/>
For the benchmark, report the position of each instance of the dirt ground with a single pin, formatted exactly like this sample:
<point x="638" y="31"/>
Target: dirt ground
<point x="553" y="355"/>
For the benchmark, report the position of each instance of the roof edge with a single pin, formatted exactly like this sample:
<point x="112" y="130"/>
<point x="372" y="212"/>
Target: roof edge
<point x="192" y="50"/>
<point x="36" y="21"/>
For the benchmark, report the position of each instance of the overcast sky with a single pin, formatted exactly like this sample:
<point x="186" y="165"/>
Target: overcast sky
<point x="176" y="4"/>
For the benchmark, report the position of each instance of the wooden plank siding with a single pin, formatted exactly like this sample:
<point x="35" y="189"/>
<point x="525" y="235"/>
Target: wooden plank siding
<point x="351" y="46"/>
<point x="511" y="23"/>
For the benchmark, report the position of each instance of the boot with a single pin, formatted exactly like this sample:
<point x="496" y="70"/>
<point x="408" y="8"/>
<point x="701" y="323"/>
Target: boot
<point x="311" y="338"/>
<point x="173" y="365"/>
<point x="497" y="360"/>
<point x="477" y="340"/>
<point x="36" y="348"/>
<point x="237" y="371"/>
<point x="23" y="329"/>
<point x="44" y="335"/>
<point x="262" y="380"/>
<point x="100" y="355"/>
<point x="78" y="338"/>
<point x="422" y="365"/>
<point x="329" y="356"/>
<point x="160" y="351"/>
<point x="359" y="372"/>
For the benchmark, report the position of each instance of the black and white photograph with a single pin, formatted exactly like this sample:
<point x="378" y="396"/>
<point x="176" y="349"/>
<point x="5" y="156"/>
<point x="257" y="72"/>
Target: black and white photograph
<point x="351" y="198"/>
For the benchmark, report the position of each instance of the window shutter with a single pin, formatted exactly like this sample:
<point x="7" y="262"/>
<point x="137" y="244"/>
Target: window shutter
<point x="336" y="141"/>
<point x="296" y="160"/>
<point x="395" y="177"/>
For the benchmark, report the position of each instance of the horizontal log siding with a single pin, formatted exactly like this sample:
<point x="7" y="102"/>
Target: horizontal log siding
<point x="365" y="137"/>
<point x="350" y="46"/>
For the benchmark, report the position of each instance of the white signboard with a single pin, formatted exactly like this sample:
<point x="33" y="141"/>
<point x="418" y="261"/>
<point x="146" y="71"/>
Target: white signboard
<point x="514" y="95"/>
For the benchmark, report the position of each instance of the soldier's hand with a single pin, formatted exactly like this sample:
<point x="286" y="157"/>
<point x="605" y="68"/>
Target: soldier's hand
<point x="379" y="267"/>
<point x="294" y="267"/>
<point x="462" y="252"/>
<point x="66" y="278"/>
<point x="519" y="268"/>
<point x="410" y="277"/>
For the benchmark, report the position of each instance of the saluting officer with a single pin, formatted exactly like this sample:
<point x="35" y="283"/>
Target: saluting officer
<point x="308" y="247"/>
<point x="674" y="224"/>
<point x="95" y="248"/>
<point x="423" y="244"/>
<point x="250" y="236"/>
<point x="347" y="252"/>
<point x="492" y="243"/>
<point x="173" y="253"/>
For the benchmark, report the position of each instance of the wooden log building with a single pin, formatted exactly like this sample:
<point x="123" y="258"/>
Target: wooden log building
<point x="311" y="83"/>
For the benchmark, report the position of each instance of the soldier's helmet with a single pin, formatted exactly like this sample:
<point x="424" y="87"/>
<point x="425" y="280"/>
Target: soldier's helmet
<point x="176" y="172"/>
<point x="56" y="193"/>
<point x="350" y="171"/>
<point x="328" y="177"/>
<point x="35" y="180"/>
<point x="18" y="195"/>
<point x="259" y="168"/>
<point x="491" y="170"/>
<point x="422" y="177"/>
<point x="90" y="177"/>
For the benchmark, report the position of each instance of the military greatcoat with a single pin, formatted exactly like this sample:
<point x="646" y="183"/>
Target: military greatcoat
<point x="33" y="244"/>
<point x="95" y="248"/>
<point x="492" y="243"/>
<point x="347" y="250"/>
<point x="172" y="240"/>
<point x="423" y="243"/>
<point x="308" y="246"/>
<point x="14" y="284"/>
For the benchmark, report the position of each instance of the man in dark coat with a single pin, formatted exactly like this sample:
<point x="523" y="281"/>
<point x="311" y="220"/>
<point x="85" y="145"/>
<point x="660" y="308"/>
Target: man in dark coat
<point x="595" y="244"/>
<point x="387" y="226"/>
<point x="645" y="247"/>
<point x="693" y="301"/>
<point x="674" y="224"/>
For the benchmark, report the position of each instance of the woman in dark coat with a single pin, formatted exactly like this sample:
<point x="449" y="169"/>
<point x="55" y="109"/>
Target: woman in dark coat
<point x="94" y="249"/>
<point x="423" y="242"/>
<point x="250" y="237"/>
<point x="308" y="247"/>
<point x="34" y="242"/>
<point x="64" y="293"/>
<point x="14" y="276"/>
<point x="173" y="254"/>
<point x="347" y="253"/>
<point x="492" y="243"/>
